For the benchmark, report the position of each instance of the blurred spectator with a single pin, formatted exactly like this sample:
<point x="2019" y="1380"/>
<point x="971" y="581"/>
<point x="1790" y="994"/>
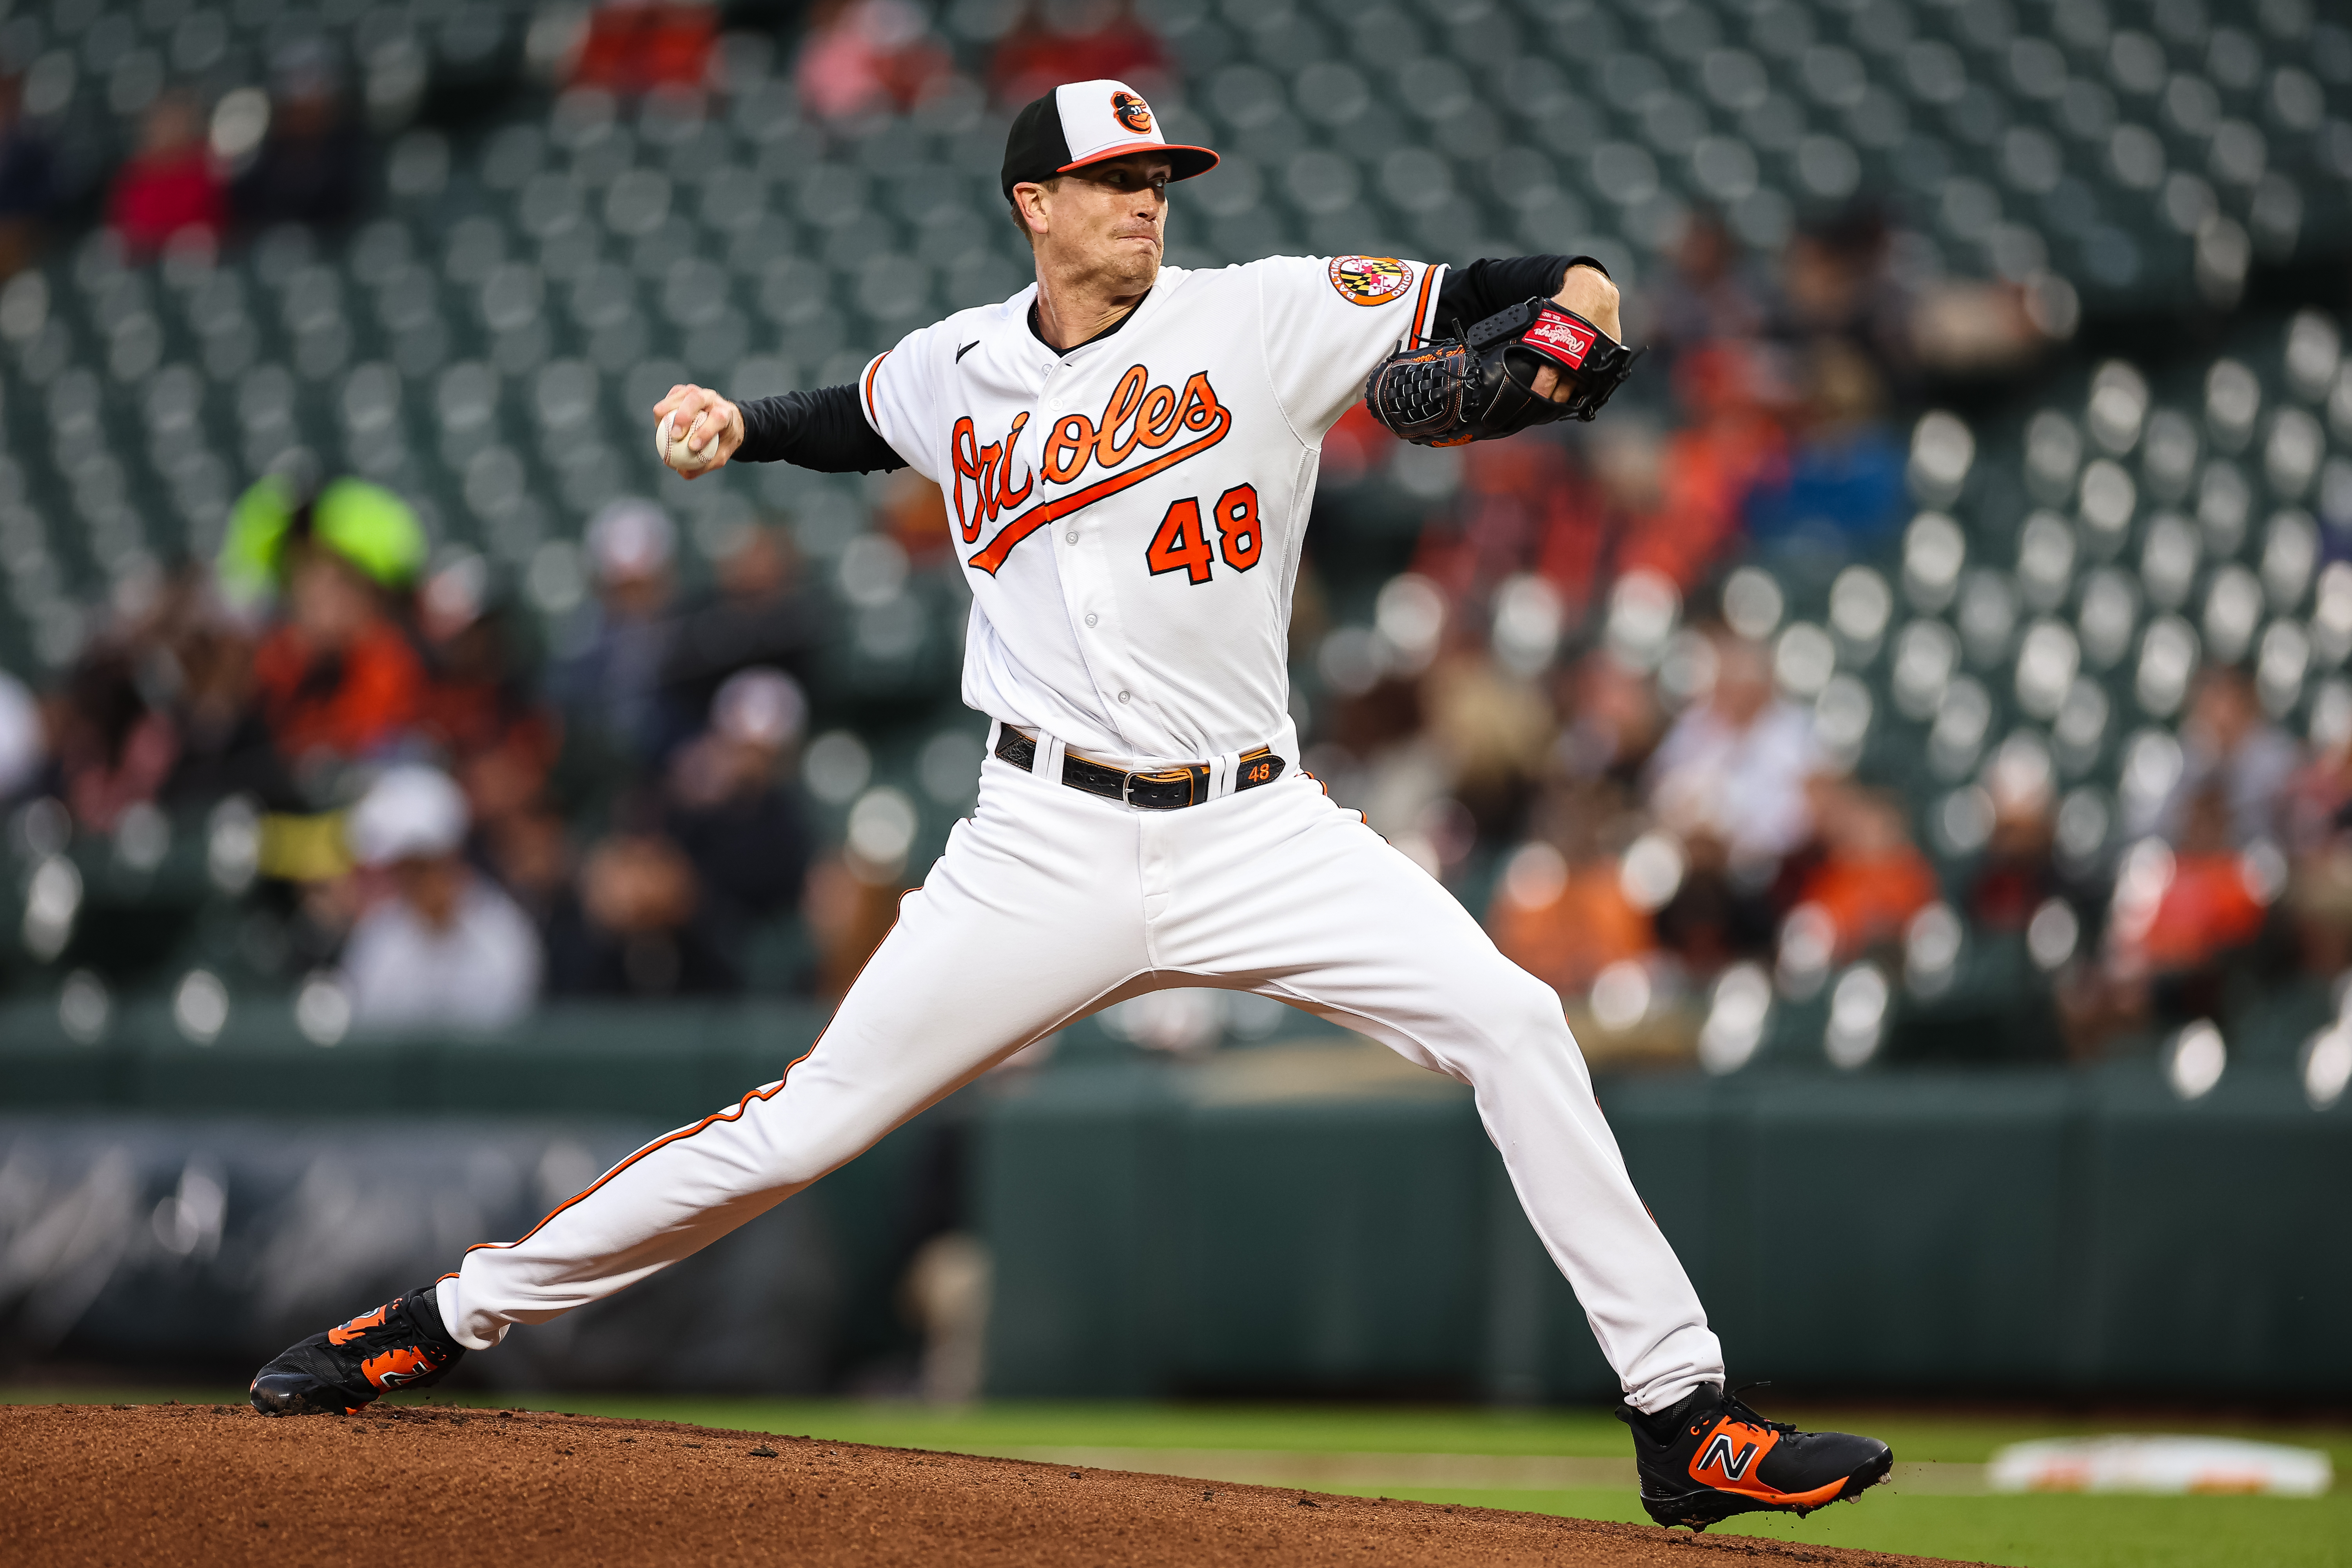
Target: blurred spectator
<point x="761" y="615"/>
<point x="112" y="748"/>
<point x="1560" y="910"/>
<point x="2183" y="917"/>
<point x="1073" y="40"/>
<point x="1520" y="508"/>
<point x="914" y="512"/>
<point x="863" y="56"/>
<point x="28" y="196"/>
<point x="633" y="46"/>
<point x="1356" y="446"/>
<point x="1734" y="767"/>
<point x="1870" y="879"/>
<point x="611" y="683"/>
<point x="1836" y="282"/>
<point x="530" y="851"/>
<point x="2320" y="896"/>
<point x="2017" y="872"/>
<point x="1613" y="720"/>
<point x="1970" y="327"/>
<point x="24" y="745"/>
<point x="850" y="909"/>
<point x="1713" y="916"/>
<point x="2228" y="745"/>
<point x="196" y="657"/>
<point x="1841" y="485"/>
<point x="442" y="945"/>
<point x="1707" y="296"/>
<point x="1680" y="497"/>
<point x="645" y="929"/>
<point x="1492" y="732"/>
<point x="2319" y="796"/>
<point x="309" y="168"/>
<point x="170" y="183"/>
<point x="1379" y="755"/>
<point x="730" y="811"/>
<point x="500" y="740"/>
<point x="338" y="677"/>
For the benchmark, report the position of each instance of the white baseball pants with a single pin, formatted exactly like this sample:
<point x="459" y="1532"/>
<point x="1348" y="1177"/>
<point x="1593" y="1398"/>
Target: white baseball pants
<point x="1051" y="903"/>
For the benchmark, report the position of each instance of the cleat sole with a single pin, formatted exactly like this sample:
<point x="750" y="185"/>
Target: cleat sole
<point x="1695" y="1510"/>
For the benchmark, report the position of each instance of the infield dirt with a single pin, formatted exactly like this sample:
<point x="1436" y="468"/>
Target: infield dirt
<point x="202" y="1484"/>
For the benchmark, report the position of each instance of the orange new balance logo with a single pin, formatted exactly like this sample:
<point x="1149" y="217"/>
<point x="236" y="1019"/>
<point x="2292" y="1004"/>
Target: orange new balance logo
<point x="395" y="1368"/>
<point x="1729" y="1459"/>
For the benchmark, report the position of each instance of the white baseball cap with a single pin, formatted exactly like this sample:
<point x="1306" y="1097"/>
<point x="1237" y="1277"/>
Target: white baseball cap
<point x="411" y="811"/>
<point x="631" y="538"/>
<point x="22" y="744"/>
<point x="759" y="707"/>
<point x="1083" y="122"/>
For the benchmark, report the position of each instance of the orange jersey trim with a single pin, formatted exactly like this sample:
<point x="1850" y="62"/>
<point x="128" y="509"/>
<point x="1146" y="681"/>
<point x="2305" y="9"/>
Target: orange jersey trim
<point x="871" y="371"/>
<point x="1424" y="306"/>
<point x="1037" y="517"/>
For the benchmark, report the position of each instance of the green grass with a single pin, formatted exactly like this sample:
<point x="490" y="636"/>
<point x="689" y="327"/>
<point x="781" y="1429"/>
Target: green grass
<point x="2025" y="1531"/>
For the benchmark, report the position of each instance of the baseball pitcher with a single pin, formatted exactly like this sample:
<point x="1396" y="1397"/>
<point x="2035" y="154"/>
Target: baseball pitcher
<point x="1129" y="453"/>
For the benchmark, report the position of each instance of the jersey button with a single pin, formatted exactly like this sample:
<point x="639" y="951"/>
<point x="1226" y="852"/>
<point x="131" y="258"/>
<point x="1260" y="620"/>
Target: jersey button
<point x="1071" y="537"/>
<point x="1123" y="697"/>
<point x="1090" y="620"/>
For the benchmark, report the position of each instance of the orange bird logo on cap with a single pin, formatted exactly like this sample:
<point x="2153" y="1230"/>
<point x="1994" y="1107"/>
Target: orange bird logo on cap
<point x="1131" y="111"/>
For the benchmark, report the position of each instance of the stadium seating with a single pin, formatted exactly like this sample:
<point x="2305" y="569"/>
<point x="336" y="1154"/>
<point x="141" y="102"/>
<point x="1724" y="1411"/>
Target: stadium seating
<point x="490" y="340"/>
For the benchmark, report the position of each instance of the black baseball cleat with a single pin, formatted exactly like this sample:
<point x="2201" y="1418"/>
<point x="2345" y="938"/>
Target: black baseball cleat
<point x="401" y="1344"/>
<point x="1710" y="1456"/>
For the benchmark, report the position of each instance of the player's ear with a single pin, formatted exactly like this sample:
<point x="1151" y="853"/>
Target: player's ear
<point x="1029" y="206"/>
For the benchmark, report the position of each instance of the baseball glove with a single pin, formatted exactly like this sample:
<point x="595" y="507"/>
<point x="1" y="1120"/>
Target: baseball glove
<point x="1481" y="387"/>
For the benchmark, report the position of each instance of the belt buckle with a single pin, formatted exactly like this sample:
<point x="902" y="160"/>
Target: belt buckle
<point x="1127" y="791"/>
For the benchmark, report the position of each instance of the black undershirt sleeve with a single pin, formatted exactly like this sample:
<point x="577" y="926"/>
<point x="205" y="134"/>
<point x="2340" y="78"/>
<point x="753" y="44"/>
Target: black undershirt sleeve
<point x="824" y="430"/>
<point x="1471" y="294"/>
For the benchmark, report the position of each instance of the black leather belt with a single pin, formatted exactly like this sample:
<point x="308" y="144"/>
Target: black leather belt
<point x="1170" y="789"/>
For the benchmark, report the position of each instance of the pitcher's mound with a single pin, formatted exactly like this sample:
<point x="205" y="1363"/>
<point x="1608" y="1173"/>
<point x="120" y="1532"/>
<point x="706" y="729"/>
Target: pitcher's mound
<point x="207" y="1484"/>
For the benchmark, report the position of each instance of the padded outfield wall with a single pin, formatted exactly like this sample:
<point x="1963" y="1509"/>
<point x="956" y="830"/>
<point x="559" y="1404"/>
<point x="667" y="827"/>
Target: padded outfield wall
<point x="1311" y="1218"/>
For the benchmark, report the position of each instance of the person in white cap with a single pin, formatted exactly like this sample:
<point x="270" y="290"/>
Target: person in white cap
<point x="729" y="812"/>
<point x="24" y="742"/>
<point x="610" y="679"/>
<point x="1128" y="454"/>
<point x="447" y="949"/>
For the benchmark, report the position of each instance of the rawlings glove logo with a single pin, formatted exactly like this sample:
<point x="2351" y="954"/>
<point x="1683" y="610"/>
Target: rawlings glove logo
<point x="1567" y="341"/>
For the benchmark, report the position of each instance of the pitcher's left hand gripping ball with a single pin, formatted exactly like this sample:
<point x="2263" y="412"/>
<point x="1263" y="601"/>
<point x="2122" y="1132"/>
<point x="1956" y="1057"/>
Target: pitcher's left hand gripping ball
<point x="1483" y="386"/>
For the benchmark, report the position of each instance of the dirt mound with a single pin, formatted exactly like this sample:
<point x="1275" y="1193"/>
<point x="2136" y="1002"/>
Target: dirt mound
<point x="218" y="1484"/>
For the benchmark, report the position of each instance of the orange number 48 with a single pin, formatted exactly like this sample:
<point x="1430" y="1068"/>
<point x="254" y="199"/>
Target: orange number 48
<point x="1181" y="543"/>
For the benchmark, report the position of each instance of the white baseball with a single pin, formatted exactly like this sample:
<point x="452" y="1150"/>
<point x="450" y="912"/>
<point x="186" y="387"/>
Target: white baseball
<point x="669" y="445"/>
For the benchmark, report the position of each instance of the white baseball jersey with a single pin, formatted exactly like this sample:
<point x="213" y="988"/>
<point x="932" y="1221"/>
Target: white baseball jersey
<point x="1129" y="512"/>
<point x="1129" y="515"/>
